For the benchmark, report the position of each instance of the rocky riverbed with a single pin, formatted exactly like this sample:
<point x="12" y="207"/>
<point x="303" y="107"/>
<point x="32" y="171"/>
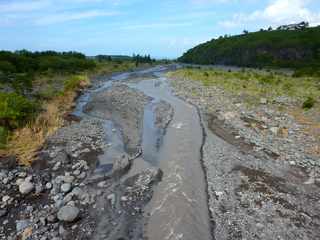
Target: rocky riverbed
<point x="138" y="162"/>
<point x="262" y="181"/>
<point x="62" y="196"/>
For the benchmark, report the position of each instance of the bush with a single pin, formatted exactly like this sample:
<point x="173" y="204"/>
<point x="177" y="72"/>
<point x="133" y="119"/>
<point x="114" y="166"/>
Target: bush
<point x="7" y="67"/>
<point x="76" y="82"/>
<point x="3" y="137"/>
<point x="15" y="110"/>
<point x="309" y="103"/>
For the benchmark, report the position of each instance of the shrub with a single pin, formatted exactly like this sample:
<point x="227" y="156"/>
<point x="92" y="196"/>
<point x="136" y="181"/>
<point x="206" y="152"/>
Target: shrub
<point x="7" y="67"/>
<point x="15" y="110"/>
<point x="76" y="82"/>
<point x="3" y="137"/>
<point x="309" y="103"/>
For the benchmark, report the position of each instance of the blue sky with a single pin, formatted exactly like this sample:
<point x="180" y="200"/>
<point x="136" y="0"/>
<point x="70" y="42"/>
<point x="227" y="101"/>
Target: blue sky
<point x="163" y="28"/>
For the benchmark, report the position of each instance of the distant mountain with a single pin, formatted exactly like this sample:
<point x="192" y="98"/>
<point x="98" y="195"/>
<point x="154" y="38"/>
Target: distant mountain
<point x="292" y="47"/>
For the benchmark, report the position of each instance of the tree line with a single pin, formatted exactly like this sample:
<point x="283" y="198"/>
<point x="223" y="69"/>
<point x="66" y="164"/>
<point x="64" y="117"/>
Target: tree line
<point x="297" y="48"/>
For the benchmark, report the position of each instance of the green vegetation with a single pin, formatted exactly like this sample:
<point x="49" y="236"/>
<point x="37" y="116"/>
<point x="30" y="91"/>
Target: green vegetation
<point x="37" y="89"/>
<point x="298" y="49"/>
<point x="26" y="78"/>
<point x="309" y="103"/>
<point x="14" y="109"/>
<point x="3" y="137"/>
<point x="254" y="84"/>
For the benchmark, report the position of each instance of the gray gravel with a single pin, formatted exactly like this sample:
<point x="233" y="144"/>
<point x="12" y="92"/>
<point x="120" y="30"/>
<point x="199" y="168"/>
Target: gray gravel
<point x="124" y="106"/>
<point x="261" y="185"/>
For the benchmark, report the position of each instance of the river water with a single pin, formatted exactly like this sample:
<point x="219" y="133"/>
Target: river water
<point x="178" y="209"/>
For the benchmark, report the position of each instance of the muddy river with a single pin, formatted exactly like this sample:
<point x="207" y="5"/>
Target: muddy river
<point x="178" y="208"/>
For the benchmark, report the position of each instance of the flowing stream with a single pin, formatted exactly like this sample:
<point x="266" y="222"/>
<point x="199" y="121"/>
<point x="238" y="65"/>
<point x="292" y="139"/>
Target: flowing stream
<point x="178" y="209"/>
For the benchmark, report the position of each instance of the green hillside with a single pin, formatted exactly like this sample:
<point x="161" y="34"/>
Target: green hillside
<point x="278" y="48"/>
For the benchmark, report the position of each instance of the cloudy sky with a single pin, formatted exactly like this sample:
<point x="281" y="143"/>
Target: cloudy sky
<point x="163" y="28"/>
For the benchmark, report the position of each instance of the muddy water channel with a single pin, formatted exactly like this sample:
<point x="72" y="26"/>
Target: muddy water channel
<point x="178" y="207"/>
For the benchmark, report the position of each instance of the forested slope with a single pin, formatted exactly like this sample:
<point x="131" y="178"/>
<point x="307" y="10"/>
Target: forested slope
<point x="278" y="48"/>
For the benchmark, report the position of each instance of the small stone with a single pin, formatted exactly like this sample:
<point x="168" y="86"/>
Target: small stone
<point x="74" y="227"/>
<point x="5" y="199"/>
<point x="22" y="175"/>
<point x="260" y="226"/>
<point x="22" y="224"/>
<point x="82" y="175"/>
<point x="43" y="221"/>
<point x="68" y="213"/>
<point x="19" y="181"/>
<point x="68" y="179"/>
<point x="56" y="166"/>
<point x="49" y="185"/>
<point x="29" y="208"/>
<point x="292" y="163"/>
<point x="62" y="231"/>
<point x="5" y="181"/>
<point x="124" y="198"/>
<point x="26" y="187"/>
<point x="274" y="130"/>
<point x="66" y="187"/>
<point x="76" y="172"/>
<point x="263" y="101"/>
<point x="39" y="188"/>
<point x="3" y="212"/>
<point x="102" y="184"/>
<point x="112" y="198"/>
<point x="51" y="218"/>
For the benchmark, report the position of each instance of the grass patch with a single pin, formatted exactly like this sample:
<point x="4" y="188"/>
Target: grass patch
<point x="257" y="84"/>
<point x="105" y="68"/>
<point x="25" y="142"/>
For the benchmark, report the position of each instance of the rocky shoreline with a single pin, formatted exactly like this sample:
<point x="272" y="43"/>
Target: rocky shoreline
<point x="261" y="184"/>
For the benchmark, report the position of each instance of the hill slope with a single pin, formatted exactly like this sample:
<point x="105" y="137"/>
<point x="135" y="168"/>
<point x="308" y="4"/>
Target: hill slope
<point x="279" y="48"/>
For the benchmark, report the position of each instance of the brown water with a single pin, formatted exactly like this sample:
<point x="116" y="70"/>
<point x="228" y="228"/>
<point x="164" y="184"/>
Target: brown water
<point x="179" y="207"/>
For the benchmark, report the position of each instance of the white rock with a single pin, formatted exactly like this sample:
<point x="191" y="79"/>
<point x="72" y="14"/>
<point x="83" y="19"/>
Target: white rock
<point x="102" y="184"/>
<point x="274" y="130"/>
<point x="5" y="199"/>
<point x="26" y="187"/>
<point x="22" y="175"/>
<point x="49" y="185"/>
<point x="66" y="187"/>
<point x="68" y="213"/>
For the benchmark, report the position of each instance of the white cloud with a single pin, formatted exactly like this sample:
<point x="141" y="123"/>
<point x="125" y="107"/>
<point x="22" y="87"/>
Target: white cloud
<point x="276" y="13"/>
<point x="23" y="6"/>
<point x="65" y="17"/>
<point x="46" y="12"/>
